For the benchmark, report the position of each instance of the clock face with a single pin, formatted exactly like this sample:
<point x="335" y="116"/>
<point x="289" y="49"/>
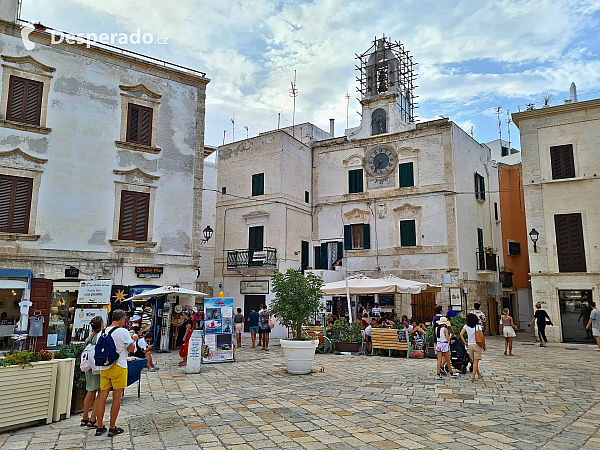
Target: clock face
<point x="380" y="161"/>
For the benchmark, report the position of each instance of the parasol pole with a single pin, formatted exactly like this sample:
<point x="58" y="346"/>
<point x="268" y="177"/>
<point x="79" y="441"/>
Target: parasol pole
<point x="348" y="295"/>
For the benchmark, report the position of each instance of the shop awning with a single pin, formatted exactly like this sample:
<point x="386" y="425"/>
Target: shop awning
<point x="386" y="285"/>
<point x="166" y="290"/>
<point x="13" y="284"/>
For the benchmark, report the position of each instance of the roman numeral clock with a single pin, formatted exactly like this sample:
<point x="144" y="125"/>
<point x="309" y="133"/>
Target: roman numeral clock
<point x="380" y="165"/>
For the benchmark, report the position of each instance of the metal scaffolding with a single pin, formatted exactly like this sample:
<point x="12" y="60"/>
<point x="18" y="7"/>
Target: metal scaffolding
<point x="386" y="68"/>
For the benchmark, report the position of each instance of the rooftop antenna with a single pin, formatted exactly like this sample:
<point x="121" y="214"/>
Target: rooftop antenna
<point x="498" y="111"/>
<point x="278" y="120"/>
<point x="246" y="127"/>
<point x="294" y="94"/>
<point x="508" y="122"/>
<point x="224" y="133"/>
<point x="472" y="131"/>
<point x="347" y="107"/>
<point x="233" y="126"/>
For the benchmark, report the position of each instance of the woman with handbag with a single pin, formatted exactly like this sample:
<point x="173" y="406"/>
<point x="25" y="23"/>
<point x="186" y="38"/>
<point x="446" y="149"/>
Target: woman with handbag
<point x="542" y="319"/>
<point x="475" y="343"/>
<point x="92" y="381"/>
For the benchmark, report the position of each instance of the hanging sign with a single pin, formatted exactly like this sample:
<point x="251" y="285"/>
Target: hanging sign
<point x="94" y="292"/>
<point x="218" y="329"/>
<point x="82" y="319"/>
<point x="254" y="287"/>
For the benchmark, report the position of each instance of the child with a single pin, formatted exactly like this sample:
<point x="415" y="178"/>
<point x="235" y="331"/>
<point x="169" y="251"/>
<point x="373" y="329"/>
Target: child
<point x="442" y="347"/>
<point x="508" y="331"/>
<point x="143" y="348"/>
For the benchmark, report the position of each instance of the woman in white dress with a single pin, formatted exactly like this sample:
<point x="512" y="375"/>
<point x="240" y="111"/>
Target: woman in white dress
<point x="508" y="330"/>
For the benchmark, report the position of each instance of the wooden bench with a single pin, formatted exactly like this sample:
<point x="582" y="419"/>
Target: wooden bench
<point x="320" y="334"/>
<point x="388" y="339"/>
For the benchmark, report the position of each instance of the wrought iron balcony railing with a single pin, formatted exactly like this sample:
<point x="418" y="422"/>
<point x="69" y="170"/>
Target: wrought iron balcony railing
<point x="487" y="261"/>
<point x="506" y="278"/>
<point x="252" y="259"/>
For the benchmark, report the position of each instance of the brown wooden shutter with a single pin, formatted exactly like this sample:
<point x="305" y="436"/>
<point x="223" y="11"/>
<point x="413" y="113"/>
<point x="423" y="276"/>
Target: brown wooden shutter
<point x="569" y="243"/>
<point x="135" y="208"/>
<point x="24" y="100"/>
<point x="562" y="162"/>
<point x="15" y="204"/>
<point x="139" y="124"/>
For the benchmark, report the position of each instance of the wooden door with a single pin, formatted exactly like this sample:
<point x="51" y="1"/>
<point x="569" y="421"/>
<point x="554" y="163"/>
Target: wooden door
<point x="492" y="319"/>
<point x="423" y="306"/>
<point x="41" y="296"/>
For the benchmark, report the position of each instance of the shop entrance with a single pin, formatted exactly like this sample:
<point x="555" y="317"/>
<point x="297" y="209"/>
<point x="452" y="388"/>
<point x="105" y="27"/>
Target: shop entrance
<point x="252" y="302"/>
<point x="493" y="319"/>
<point x="9" y="313"/>
<point x="575" y="313"/>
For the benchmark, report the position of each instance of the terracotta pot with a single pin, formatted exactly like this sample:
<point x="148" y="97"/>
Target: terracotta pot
<point x="346" y="346"/>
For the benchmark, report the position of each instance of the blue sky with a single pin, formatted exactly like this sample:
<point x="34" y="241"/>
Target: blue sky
<point x="473" y="56"/>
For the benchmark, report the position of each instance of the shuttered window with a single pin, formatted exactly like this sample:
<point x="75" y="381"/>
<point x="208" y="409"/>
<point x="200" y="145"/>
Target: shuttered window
<point x="357" y="236"/>
<point x="355" y="181"/>
<point x="258" y="184"/>
<point x="569" y="243"/>
<point x="15" y="204"/>
<point x="562" y="162"/>
<point x="479" y="187"/>
<point x="135" y="207"/>
<point x="139" y="124"/>
<point x="406" y="175"/>
<point x="24" y="100"/>
<point x="408" y="234"/>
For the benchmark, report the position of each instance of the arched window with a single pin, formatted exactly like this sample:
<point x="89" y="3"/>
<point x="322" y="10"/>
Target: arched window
<point x="378" y="122"/>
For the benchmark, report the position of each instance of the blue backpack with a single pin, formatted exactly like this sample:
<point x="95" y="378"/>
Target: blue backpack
<point x="106" y="351"/>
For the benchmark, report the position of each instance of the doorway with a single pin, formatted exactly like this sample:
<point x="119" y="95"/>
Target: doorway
<point x="575" y="313"/>
<point x="252" y="302"/>
<point x="493" y="318"/>
<point x="423" y="306"/>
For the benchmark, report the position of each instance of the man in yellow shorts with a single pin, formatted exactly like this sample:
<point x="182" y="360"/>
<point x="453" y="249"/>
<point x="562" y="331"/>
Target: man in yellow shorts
<point x="114" y="376"/>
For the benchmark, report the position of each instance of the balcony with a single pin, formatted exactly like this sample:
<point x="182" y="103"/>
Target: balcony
<point x="487" y="262"/>
<point x="506" y="278"/>
<point x="252" y="259"/>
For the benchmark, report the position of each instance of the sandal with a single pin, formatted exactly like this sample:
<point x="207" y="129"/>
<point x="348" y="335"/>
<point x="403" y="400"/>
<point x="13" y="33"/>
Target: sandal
<point x="182" y="363"/>
<point x="92" y="424"/>
<point x="100" y="431"/>
<point x="112" y="432"/>
<point x="84" y="422"/>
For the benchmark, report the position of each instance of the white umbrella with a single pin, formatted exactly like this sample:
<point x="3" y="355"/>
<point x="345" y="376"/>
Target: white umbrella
<point x="165" y="290"/>
<point x="387" y="285"/>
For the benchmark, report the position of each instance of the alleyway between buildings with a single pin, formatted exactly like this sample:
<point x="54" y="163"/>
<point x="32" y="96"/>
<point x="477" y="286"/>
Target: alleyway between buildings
<point x="541" y="398"/>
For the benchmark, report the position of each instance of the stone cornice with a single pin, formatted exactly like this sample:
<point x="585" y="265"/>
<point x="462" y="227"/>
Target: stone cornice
<point x="28" y="60"/>
<point x="553" y="110"/>
<point x="136" y="171"/>
<point x="22" y="154"/>
<point x="140" y="87"/>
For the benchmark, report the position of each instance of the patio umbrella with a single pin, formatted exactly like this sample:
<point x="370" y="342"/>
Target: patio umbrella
<point x="165" y="290"/>
<point x="387" y="285"/>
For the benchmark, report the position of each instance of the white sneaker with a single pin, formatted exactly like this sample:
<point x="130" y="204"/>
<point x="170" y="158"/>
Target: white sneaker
<point x="597" y="349"/>
<point x="453" y="375"/>
<point x="439" y="377"/>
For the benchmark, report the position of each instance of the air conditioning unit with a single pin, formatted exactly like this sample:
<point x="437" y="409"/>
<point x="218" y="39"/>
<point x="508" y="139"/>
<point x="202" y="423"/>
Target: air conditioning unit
<point x="514" y="248"/>
<point x="494" y="288"/>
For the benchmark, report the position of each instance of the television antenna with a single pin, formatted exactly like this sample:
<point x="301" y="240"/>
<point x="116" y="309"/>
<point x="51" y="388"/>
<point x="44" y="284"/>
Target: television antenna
<point x="498" y="111"/>
<point x="348" y="96"/>
<point x="294" y="94"/>
<point x="508" y="122"/>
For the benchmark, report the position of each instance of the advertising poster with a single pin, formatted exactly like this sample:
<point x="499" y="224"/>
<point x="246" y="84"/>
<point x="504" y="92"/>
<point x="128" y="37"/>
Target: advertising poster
<point x="94" y="292"/>
<point x="218" y="329"/>
<point x="81" y="321"/>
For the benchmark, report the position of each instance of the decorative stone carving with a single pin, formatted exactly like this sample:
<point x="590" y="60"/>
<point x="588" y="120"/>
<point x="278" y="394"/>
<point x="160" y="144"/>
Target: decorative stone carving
<point x="407" y="151"/>
<point x="28" y="63"/>
<point x="357" y="215"/>
<point x="19" y="160"/>
<point x="407" y="210"/>
<point x="354" y="161"/>
<point x="139" y="90"/>
<point x="20" y="153"/>
<point x="382" y="210"/>
<point x="136" y="175"/>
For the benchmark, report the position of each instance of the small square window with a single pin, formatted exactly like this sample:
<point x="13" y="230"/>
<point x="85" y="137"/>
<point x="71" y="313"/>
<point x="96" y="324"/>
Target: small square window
<point x="306" y="197"/>
<point x="258" y="184"/>
<point x="223" y="190"/>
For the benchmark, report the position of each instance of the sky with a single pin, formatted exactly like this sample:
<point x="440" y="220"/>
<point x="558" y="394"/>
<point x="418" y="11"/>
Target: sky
<point x="473" y="56"/>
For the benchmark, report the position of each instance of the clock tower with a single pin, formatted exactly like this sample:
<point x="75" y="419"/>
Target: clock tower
<point x="386" y="84"/>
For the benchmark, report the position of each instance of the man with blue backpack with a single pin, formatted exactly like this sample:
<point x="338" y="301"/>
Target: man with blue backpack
<point x="111" y="356"/>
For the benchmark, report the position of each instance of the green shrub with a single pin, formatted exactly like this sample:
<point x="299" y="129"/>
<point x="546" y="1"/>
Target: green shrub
<point x="347" y="332"/>
<point x="73" y="351"/>
<point x="457" y="323"/>
<point x="25" y="357"/>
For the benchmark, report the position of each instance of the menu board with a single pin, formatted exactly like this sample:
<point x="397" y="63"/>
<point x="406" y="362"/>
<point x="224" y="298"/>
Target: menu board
<point x="218" y="329"/>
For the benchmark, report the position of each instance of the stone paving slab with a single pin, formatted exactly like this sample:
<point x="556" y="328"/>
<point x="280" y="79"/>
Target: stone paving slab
<point x="543" y="398"/>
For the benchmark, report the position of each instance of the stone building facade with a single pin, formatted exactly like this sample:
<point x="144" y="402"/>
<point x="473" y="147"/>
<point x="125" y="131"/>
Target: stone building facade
<point x="561" y="173"/>
<point x="105" y="153"/>
<point x="388" y="197"/>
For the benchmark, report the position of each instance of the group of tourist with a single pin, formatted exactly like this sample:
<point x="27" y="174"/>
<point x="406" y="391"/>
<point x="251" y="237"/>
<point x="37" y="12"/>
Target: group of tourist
<point x="259" y="322"/>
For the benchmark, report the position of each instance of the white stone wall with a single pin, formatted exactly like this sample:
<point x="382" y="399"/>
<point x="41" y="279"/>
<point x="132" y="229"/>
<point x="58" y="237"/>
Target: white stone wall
<point x="81" y="170"/>
<point x="577" y="124"/>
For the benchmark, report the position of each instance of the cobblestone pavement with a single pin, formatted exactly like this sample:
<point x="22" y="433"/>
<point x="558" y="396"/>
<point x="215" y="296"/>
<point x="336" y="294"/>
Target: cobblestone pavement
<point x="541" y="398"/>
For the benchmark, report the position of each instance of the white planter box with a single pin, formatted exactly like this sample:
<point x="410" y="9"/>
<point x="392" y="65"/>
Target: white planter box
<point x="64" y="388"/>
<point x="27" y="393"/>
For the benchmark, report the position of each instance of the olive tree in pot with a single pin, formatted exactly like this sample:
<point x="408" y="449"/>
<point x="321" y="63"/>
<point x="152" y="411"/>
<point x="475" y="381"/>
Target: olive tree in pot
<point x="349" y="336"/>
<point x="297" y="299"/>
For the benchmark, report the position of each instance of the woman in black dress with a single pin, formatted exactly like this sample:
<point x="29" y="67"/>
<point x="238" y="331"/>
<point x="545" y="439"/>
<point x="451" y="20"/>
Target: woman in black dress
<point x="540" y="318"/>
<point x="184" y="332"/>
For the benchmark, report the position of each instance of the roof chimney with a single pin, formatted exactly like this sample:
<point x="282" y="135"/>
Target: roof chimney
<point x="573" y="93"/>
<point x="332" y="127"/>
<point x="9" y="10"/>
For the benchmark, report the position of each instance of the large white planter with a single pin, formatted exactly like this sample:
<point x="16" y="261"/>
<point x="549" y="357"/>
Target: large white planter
<point x="299" y="355"/>
<point x="64" y="388"/>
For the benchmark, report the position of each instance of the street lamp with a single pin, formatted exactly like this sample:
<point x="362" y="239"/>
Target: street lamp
<point x="534" y="235"/>
<point x="208" y="232"/>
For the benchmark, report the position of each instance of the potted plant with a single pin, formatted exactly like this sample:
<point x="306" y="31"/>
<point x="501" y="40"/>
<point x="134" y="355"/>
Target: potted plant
<point x="349" y="336"/>
<point x="297" y="299"/>
<point x="490" y="250"/>
<point x="429" y="342"/>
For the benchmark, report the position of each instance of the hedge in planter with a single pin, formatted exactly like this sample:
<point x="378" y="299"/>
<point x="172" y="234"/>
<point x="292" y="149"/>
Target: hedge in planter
<point x="348" y="336"/>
